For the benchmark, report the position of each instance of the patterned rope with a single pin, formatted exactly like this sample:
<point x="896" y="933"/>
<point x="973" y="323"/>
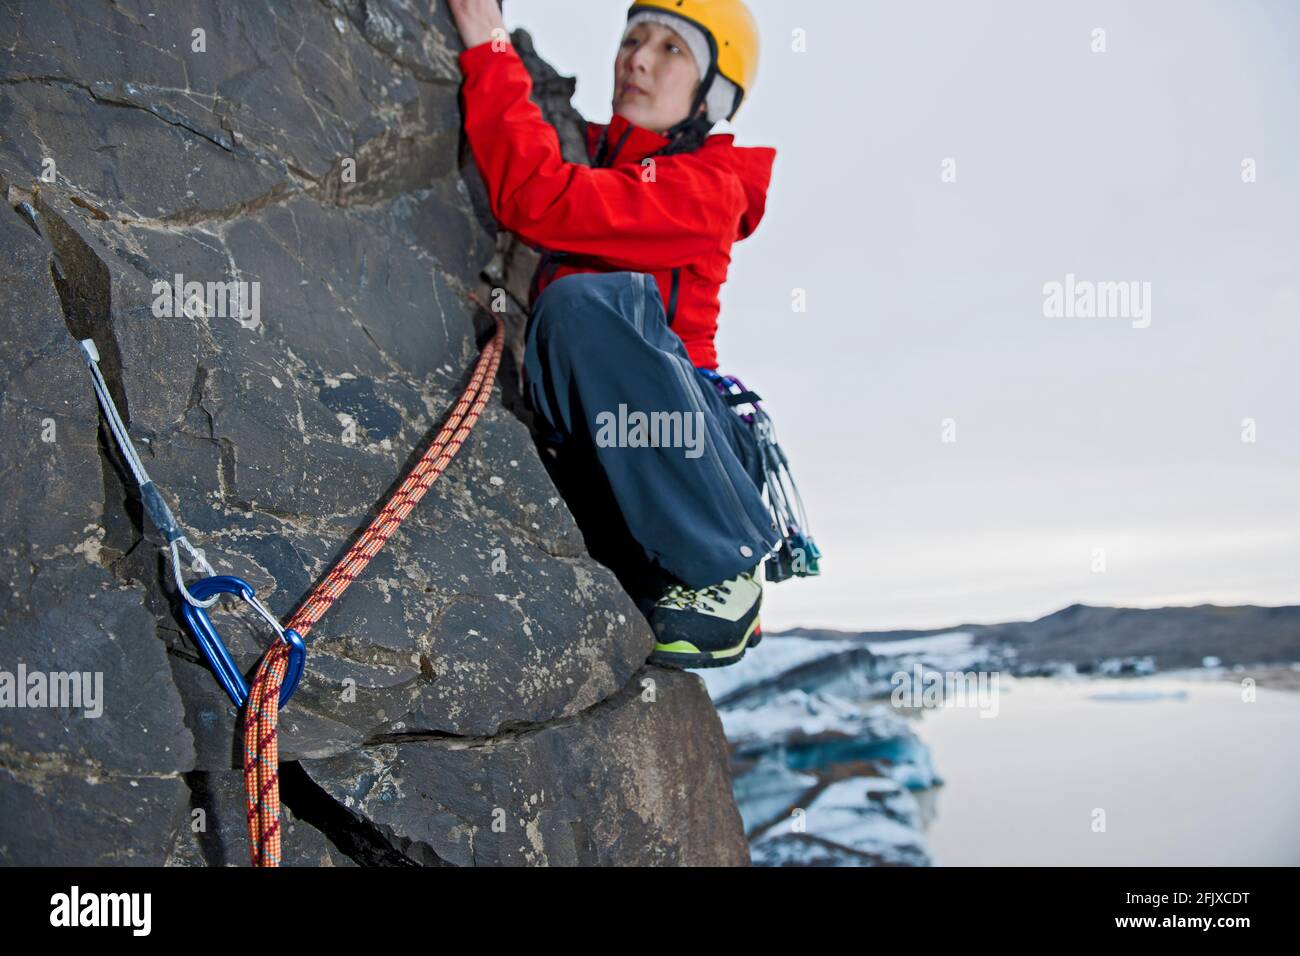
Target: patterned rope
<point x="261" y="750"/>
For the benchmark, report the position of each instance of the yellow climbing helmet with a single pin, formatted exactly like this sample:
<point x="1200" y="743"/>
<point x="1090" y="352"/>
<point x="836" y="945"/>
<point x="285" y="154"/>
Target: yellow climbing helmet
<point x="731" y="31"/>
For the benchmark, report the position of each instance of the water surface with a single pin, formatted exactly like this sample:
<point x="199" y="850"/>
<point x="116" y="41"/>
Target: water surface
<point x="1186" y="772"/>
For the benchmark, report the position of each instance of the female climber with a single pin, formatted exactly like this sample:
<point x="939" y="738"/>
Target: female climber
<point x="624" y="307"/>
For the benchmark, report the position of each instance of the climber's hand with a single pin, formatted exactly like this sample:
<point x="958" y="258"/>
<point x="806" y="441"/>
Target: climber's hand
<point x="478" y="21"/>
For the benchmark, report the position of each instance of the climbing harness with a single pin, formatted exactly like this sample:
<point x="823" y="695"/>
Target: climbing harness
<point x="281" y="667"/>
<point x="798" y="555"/>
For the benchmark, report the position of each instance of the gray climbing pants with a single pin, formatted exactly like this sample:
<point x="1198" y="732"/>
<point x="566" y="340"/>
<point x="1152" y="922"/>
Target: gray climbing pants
<point x="605" y="373"/>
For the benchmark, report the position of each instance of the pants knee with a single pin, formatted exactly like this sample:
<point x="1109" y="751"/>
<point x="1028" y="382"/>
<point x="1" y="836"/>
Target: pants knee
<point x="568" y="301"/>
<point x="588" y="309"/>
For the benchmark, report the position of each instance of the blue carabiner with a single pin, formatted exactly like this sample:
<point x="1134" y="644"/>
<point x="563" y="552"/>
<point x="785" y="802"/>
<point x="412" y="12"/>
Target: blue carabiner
<point x="210" y="643"/>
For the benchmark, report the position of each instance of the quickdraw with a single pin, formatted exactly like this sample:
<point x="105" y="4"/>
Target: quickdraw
<point x="207" y="591"/>
<point x="282" y="666"/>
<point x="153" y="502"/>
<point x="214" y="650"/>
<point x="798" y="554"/>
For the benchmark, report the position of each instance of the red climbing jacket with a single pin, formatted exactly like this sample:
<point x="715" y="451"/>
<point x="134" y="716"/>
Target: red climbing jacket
<point x="676" y="220"/>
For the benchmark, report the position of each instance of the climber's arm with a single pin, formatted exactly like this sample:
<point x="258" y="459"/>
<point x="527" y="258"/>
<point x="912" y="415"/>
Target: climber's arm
<point x="477" y="20"/>
<point x="615" y="214"/>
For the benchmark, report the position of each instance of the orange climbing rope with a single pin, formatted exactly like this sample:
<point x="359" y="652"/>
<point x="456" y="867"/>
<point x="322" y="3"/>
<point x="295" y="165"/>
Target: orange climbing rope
<point x="261" y="751"/>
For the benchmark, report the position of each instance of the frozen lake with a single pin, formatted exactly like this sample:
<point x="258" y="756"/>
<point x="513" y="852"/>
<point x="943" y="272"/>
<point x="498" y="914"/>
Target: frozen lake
<point x="1186" y="772"/>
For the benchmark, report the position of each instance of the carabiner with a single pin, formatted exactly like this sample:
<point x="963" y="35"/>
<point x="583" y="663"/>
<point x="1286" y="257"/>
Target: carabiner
<point x="210" y="643"/>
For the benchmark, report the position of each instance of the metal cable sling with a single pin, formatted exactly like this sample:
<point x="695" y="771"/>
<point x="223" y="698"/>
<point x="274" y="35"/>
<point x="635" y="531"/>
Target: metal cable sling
<point x="204" y="593"/>
<point x="153" y="502"/>
<point x="261" y="749"/>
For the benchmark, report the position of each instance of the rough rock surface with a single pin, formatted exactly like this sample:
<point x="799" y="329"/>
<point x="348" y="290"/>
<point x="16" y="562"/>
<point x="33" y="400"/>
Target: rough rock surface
<point x="480" y="694"/>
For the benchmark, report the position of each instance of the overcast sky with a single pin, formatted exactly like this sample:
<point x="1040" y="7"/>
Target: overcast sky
<point x="925" y="298"/>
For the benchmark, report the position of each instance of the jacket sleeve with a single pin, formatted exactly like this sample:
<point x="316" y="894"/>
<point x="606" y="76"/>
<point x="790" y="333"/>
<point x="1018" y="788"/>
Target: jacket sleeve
<point x="687" y="212"/>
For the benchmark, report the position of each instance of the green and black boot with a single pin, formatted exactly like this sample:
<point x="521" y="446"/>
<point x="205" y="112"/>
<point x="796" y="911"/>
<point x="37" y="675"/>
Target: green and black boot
<point x="709" y="627"/>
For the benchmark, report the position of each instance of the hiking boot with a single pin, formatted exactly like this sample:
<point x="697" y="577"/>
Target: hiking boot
<point x="709" y="627"/>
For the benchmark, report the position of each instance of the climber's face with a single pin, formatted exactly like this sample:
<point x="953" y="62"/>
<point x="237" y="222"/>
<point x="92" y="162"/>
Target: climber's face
<point x="655" y="77"/>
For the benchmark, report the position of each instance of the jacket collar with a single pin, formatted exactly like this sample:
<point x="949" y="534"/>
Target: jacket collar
<point x="637" y="141"/>
<point x="752" y="164"/>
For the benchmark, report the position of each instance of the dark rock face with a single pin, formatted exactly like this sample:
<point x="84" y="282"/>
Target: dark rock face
<point x="619" y="785"/>
<point x="483" y="666"/>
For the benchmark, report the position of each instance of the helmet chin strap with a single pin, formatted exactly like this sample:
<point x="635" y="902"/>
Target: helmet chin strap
<point x="692" y="120"/>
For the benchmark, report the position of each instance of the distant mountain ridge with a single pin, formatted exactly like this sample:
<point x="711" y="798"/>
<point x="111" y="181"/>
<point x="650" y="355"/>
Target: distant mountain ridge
<point x="1173" y="636"/>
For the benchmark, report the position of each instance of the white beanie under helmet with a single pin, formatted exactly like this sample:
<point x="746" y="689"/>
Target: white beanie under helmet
<point x="721" y="96"/>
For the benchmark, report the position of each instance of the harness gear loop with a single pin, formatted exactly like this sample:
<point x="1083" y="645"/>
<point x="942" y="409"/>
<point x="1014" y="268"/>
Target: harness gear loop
<point x="261" y="748"/>
<point x="153" y="502"/>
<point x="797" y="553"/>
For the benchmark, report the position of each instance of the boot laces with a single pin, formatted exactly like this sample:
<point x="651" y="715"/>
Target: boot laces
<point x="680" y="596"/>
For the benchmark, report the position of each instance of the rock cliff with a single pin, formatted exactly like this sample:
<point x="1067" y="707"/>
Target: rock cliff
<point x="480" y="696"/>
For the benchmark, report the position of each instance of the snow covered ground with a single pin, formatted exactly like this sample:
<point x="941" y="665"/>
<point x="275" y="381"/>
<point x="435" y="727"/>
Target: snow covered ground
<point x="872" y="816"/>
<point x="773" y="657"/>
<point x="829" y="768"/>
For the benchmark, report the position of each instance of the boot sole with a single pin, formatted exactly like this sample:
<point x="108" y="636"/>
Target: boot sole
<point x="685" y="660"/>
